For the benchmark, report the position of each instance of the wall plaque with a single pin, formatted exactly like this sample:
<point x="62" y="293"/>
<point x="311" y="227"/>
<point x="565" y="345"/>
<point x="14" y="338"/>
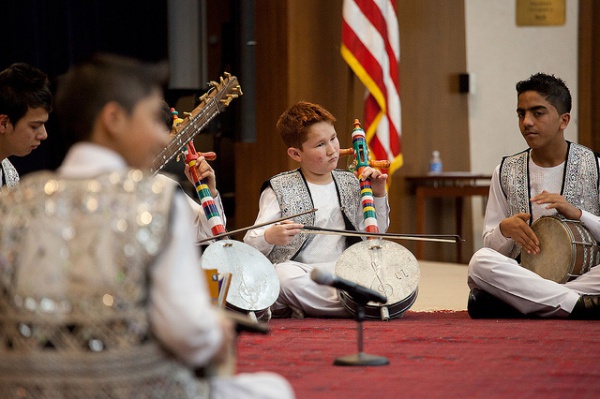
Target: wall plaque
<point x="541" y="12"/>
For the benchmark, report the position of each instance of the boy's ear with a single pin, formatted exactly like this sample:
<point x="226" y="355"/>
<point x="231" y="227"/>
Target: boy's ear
<point x="565" y="119"/>
<point x="112" y="117"/>
<point x="4" y="121"/>
<point x="295" y="154"/>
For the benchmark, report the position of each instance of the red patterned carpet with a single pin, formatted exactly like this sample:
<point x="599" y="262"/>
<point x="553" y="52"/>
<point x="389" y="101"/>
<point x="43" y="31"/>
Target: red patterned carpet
<point x="432" y="355"/>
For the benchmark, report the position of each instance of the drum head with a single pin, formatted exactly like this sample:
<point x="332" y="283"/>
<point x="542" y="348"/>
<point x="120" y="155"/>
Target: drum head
<point x="254" y="282"/>
<point x="555" y="260"/>
<point x="383" y="266"/>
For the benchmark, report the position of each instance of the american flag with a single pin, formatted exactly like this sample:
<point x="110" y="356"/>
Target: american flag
<point x="371" y="47"/>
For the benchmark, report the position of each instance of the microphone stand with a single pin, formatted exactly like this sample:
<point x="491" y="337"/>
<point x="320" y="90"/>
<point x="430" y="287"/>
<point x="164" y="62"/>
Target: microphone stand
<point x="361" y="358"/>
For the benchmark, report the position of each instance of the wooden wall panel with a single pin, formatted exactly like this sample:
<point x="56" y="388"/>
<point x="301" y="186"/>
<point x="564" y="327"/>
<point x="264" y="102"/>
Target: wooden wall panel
<point x="318" y="72"/>
<point x="256" y="162"/>
<point x="434" y="113"/>
<point x="589" y="74"/>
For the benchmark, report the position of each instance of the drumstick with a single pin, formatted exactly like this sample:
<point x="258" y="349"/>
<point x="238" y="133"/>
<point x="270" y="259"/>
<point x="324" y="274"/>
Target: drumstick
<point x="396" y="236"/>
<point x="256" y="226"/>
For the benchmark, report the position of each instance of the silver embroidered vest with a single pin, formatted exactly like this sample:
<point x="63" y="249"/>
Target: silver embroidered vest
<point x="74" y="272"/>
<point x="294" y="197"/>
<point x="9" y="174"/>
<point x="580" y="181"/>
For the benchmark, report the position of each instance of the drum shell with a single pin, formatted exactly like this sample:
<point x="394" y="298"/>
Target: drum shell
<point x="567" y="249"/>
<point x="395" y="310"/>
<point x="385" y="267"/>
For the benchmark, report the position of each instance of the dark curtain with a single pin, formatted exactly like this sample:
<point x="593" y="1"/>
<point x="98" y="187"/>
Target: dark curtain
<point x="54" y="34"/>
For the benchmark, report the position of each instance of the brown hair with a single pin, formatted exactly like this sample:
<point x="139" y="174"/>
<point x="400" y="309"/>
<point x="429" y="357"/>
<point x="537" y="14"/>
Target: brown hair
<point x="87" y="87"/>
<point x="293" y="124"/>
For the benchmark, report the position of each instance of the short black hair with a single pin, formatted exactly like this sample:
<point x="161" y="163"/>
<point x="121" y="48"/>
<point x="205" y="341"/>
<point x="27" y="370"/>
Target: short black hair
<point x="87" y="87"/>
<point x="23" y="86"/>
<point x="551" y="87"/>
<point x="167" y="115"/>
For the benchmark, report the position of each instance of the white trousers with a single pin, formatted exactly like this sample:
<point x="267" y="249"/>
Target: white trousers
<point x="523" y="289"/>
<point x="300" y="291"/>
<point x="261" y="385"/>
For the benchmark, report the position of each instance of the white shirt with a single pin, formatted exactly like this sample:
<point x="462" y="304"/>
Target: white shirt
<point x="180" y="310"/>
<point x="328" y="215"/>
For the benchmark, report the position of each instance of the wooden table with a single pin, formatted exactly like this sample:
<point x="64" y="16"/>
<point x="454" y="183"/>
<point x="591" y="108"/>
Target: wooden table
<point x="447" y="184"/>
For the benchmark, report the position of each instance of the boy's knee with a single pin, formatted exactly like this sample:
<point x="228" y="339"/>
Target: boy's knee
<point x="288" y="286"/>
<point x="482" y="256"/>
<point x="480" y="262"/>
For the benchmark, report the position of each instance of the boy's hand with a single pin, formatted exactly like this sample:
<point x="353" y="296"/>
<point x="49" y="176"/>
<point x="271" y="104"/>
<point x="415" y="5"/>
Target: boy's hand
<point x="205" y="171"/>
<point x="282" y="233"/>
<point x="558" y="202"/>
<point x="223" y="361"/>
<point x="517" y="228"/>
<point x="378" y="180"/>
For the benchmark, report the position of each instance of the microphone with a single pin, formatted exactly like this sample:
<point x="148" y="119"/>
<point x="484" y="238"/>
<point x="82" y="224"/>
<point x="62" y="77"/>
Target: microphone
<point x="358" y="292"/>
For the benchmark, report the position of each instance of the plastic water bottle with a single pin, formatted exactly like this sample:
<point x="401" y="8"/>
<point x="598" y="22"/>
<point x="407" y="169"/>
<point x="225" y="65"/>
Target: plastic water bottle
<point x="435" y="166"/>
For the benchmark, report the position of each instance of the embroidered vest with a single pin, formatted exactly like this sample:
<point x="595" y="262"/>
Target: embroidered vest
<point x="580" y="181"/>
<point x="9" y="174"/>
<point x="74" y="260"/>
<point x="294" y="197"/>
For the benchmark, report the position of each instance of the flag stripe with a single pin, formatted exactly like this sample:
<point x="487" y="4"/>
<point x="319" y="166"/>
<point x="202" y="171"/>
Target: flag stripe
<point x="371" y="47"/>
<point x="378" y="21"/>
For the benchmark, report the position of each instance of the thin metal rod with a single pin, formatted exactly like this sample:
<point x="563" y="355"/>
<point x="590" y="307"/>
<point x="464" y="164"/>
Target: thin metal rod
<point x="415" y="237"/>
<point x="256" y="226"/>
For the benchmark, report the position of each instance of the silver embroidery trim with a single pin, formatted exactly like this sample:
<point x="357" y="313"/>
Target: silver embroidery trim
<point x="293" y="197"/>
<point x="580" y="185"/>
<point x="11" y="176"/>
<point x="74" y="286"/>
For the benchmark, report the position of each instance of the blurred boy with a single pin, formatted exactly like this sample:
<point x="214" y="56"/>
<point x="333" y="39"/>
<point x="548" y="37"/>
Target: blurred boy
<point x="100" y="288"/>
